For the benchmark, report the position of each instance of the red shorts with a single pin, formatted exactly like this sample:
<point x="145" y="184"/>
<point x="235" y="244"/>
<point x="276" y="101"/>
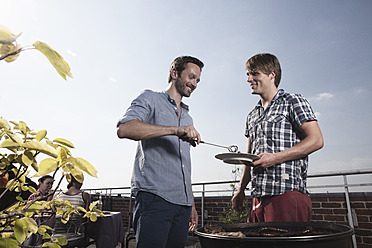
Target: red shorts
<point x="292" y="206"/>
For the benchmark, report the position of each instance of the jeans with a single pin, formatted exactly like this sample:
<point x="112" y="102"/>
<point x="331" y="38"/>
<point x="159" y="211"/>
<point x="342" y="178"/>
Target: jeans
<point x="158" y="223"/>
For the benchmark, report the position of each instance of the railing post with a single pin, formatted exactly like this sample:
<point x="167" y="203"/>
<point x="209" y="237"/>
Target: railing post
<point x="349" y="215"/>
<point x="202" y="205"/>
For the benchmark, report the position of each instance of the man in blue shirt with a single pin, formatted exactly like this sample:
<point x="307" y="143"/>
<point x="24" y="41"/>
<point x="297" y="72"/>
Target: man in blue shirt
<point x="161" y="179"/>
<point x="282" y="130"/>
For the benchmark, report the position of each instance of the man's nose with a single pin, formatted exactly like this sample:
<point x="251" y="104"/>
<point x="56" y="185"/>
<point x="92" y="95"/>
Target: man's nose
<point x="249" y="79"/>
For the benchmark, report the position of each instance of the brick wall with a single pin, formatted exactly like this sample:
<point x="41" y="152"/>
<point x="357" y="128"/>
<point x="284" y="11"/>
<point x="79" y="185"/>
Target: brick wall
<point x="326" y="207"/>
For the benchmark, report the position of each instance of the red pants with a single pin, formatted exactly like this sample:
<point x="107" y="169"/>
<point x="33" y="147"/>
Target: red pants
<point x="292" y="206"/>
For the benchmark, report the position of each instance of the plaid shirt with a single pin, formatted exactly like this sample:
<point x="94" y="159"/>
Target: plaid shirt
<point x="273" y="130"/>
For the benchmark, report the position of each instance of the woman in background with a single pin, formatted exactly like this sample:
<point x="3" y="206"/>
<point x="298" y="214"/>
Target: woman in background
<point x="74" y="195"/>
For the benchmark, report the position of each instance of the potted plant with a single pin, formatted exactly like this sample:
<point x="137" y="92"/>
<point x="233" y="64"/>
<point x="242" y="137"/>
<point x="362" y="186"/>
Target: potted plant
<point x="20" y="149"/>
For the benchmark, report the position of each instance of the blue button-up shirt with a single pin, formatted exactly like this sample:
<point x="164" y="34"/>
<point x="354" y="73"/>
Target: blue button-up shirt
<point x="162" y="165"/>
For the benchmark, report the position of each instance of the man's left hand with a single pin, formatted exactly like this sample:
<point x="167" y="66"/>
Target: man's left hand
<point x="266" y="160"/>
<point x="193" y="219"/>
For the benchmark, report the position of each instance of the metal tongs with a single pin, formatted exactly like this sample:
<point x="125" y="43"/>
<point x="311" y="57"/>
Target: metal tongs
<point x="231" y="148"/>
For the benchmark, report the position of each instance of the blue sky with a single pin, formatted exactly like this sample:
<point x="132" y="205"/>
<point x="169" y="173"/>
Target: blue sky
<point x="118" y="48"/>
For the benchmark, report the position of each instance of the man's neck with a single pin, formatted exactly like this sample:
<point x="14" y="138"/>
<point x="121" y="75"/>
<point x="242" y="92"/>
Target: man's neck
<point x="266" y="98"/>
<point x="174" y="95"/>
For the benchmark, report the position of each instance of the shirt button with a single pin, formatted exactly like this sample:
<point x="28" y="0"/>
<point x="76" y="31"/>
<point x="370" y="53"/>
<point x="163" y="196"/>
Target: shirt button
<point x="183" y="166"/>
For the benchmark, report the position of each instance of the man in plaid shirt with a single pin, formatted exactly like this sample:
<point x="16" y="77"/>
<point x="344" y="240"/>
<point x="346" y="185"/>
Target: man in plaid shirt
<point x="282" y="130"/>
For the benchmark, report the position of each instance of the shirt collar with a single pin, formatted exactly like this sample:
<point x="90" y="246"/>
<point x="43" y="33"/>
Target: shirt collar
<point x="278" y="95"/>
<point x="183" y="105"/>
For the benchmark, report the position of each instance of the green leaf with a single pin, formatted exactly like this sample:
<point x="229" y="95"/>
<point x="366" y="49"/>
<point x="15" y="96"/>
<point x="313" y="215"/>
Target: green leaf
<point x="61" y="241"/>
<point x="54" y="58"/>
<point x="41" y="147"/>
<point x="64" y="142"/>
<point x="46" y="166"/>
<point x="20" y="229"/>
<point x="8" y="243"/>
<point x="51" y="245"/>
<point x="41" y="135"/>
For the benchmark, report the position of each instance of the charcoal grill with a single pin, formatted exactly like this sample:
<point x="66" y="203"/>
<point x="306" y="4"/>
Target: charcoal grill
<point x="325" y="235"/>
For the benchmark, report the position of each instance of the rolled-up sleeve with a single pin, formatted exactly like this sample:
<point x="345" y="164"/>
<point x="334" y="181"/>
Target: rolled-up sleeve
<point x="140" y="109"/>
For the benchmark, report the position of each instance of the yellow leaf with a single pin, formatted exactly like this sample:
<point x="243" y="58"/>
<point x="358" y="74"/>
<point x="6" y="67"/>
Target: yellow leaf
<point x="92" y="205"/>
<point x="75" y="171"/>
<point x="15" y="138"/>
<point x="23" y="127"/>
<point x="6" y="36"/>
<point x="54" y="58"/>
<point x="64" y="142"/>
<point x="8" y="143"/>
<point x="41" y="147"/>
<point x="32" y="189"/>
<point x="20" y="229"/>
<point x="82" y="209"/>
<point x="7" y="49"/>
<point x="93" y="217"/>
<point x="46" y="166"/>
<point x="41" y="135"/>
<point x="32" y="225"/>
<point x="62" y="155"/>
<point x="4" y="124"/>
<point x="90" y="169"/>
<point x="28" y="158"/>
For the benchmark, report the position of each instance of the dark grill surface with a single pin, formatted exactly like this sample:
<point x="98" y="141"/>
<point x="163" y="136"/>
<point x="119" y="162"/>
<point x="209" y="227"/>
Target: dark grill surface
<point x="285" y="234"/>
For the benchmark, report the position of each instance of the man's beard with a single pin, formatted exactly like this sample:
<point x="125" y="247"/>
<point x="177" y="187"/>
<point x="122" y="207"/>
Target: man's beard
<point x="181" y="87"/>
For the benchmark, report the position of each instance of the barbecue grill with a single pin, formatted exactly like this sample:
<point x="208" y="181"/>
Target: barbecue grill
<point x="322" y="235"/>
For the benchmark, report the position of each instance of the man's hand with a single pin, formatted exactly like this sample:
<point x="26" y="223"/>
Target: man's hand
<point x="193" y="219"/>
<point x="189" y="134"/>
<point x="266" y="160"/>
<point x="237" y="200"/>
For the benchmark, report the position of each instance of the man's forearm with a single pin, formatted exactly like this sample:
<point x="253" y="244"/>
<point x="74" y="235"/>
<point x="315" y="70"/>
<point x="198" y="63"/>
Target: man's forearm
<point x="245" y="179"/>
<point x="138" y="130"/>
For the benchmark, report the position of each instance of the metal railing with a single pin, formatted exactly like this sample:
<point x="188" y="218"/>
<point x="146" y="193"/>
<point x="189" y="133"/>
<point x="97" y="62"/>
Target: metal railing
<point x="230" y="190"/>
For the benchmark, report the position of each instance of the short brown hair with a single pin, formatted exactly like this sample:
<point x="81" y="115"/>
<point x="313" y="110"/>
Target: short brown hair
<point x="180" y="64"/>
<point x="267" y="63"/>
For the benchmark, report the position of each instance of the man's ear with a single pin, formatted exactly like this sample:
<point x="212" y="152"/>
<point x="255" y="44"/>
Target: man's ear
<point x="272" y="75"/>
<point x="174" y="73"/>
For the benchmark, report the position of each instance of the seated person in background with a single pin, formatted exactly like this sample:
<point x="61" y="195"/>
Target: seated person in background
<point x="77" y="198"/>
<point x="74" y="195"/>
<point x="45" y="189"/>
<point x="45" y="193"/>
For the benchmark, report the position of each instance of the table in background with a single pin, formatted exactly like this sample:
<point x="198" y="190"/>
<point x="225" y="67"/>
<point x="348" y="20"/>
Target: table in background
<point x="107" y="231"/>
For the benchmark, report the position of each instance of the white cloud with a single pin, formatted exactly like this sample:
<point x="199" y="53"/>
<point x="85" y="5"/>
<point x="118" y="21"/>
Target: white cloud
<point x="71" y="53"/>
<point x="112" y="79"/>
<point x="322" y="96"/>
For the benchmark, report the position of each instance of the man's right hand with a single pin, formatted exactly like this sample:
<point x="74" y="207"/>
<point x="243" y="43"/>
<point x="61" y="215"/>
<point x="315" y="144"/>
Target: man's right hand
<point x="189" y="134"/>
<point x="237" y="200"/>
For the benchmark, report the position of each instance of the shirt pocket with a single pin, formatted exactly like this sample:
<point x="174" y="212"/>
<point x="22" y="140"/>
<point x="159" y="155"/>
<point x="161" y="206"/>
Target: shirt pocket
<point x="275" y="125"/>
